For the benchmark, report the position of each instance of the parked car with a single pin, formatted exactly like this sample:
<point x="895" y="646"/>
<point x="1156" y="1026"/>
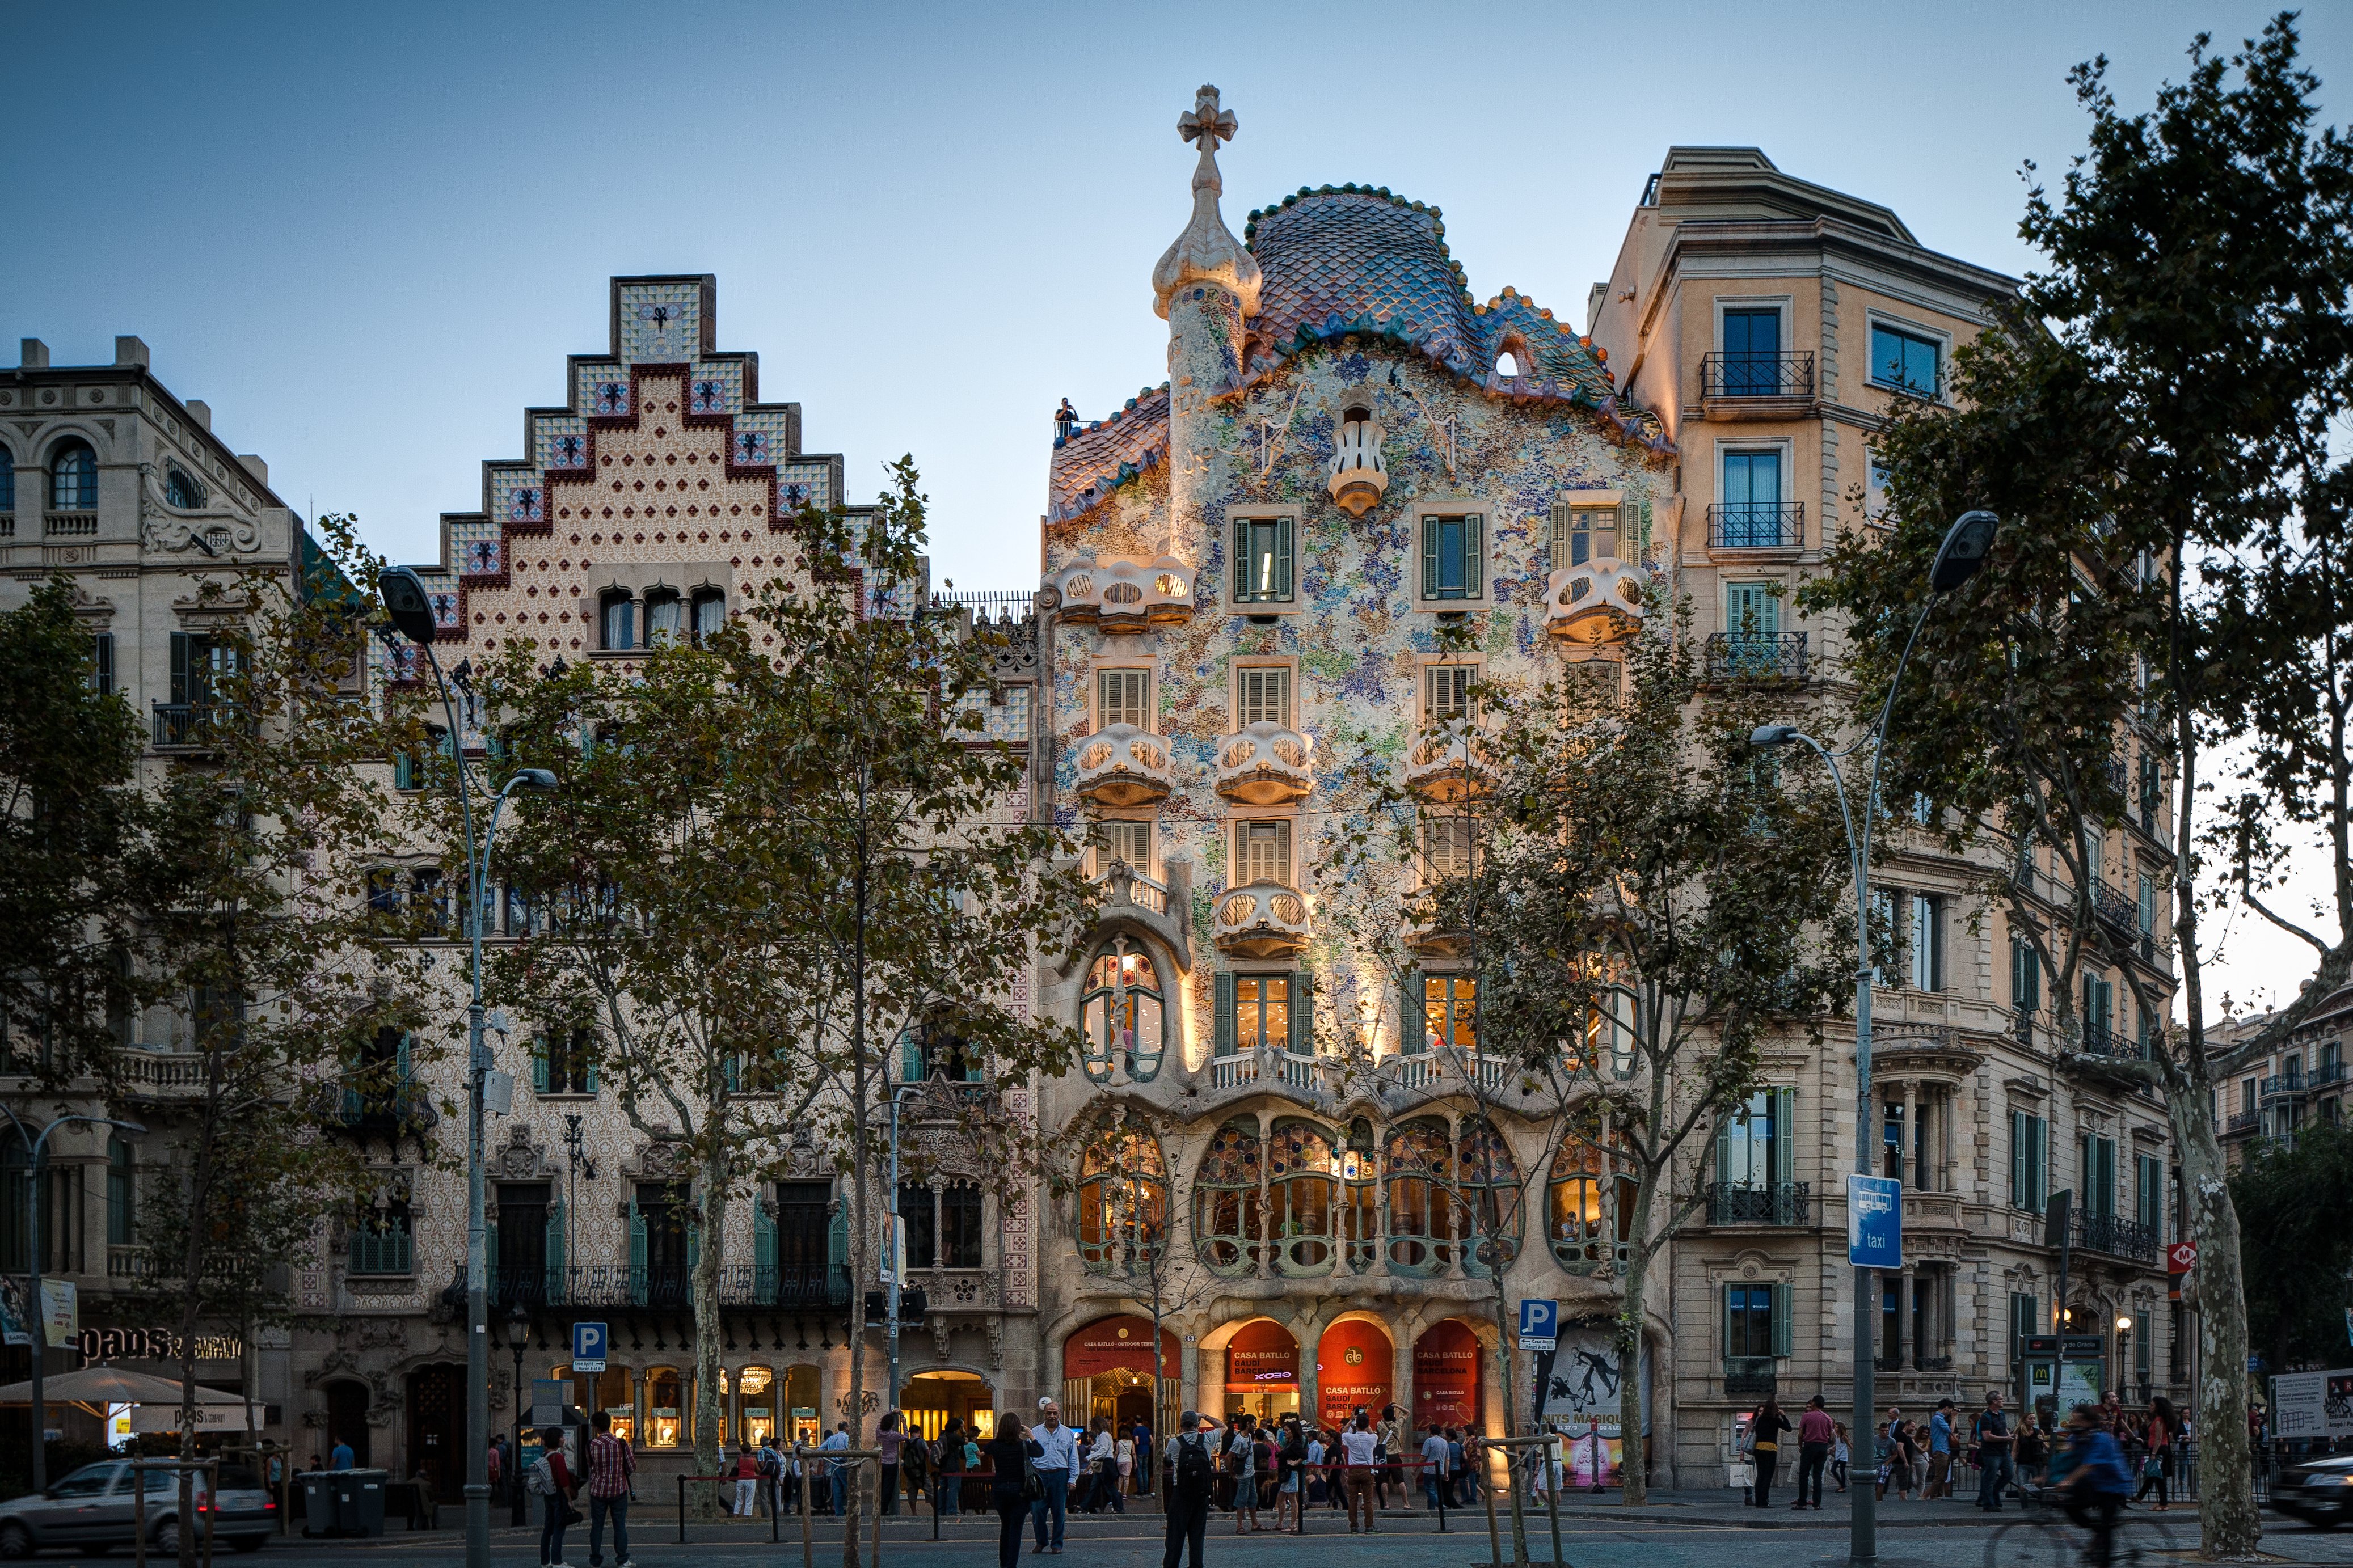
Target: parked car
<point x="2320" y="1490"/>
<point x="94" y="1507"/>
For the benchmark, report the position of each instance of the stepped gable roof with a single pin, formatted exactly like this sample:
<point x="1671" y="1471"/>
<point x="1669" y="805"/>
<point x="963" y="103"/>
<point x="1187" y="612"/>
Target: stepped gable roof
<point x="1096" y="459"/>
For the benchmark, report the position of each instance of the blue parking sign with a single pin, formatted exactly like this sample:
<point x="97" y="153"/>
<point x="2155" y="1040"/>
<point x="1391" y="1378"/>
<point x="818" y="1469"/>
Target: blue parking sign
<point x="589" y="1343"/>
<point x="1539" y="1320"/>
<point x="1875" y="1221"/>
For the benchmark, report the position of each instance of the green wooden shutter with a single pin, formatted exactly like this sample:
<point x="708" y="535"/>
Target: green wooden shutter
<point x="539" y="1062"/>
<point x="637" y="1252"/>
<point x="1238" y="562"/>
<point x="1724" y="1317"/>
<point x="1429" y="558"/>
<point x="587" y="1049"/>
<point x="764" y="1238"/>
<point x="732" y="1066"/>
<point x="1630" y="530"/>
<point x="1413" y="1035"/>
<point x="1783" y="1331"/>
<point x="180" y="681"/>
<point x="1282" y="557"/>
<point x="2018" y="1184"/>
<point x="1225" y="1013"/>
<point x="837" y="1247"/>
<point x="1474" y="553"/>
<point x="911" y="1057"/>
<point x="1302" y="1015"/>
<point x="1785" y="1135"/>
<point x="554" y="1251"/>
<point x="693" y="1239"/>
<point x="1723" y="1148"/>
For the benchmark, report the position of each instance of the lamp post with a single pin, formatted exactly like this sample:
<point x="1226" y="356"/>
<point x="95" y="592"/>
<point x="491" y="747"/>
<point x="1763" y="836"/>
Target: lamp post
<point x="1958" y="557"/>
<point x="35" y="1148"/>
<point x="411" y="613"/>
<point x="518" y="1335"/>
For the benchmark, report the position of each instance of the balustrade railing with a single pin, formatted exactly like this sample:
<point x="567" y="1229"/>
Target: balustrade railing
<point x="1758" y="1203"/>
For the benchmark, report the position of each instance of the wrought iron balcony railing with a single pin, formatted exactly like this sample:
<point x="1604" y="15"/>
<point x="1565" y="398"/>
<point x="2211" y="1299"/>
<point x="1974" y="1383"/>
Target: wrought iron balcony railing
<point x="1750" y="1376"/>
<point x="189" y="724"/>
<point x="1765" y="655"/>
<point x="1757" y="525"/>
<point x="2116" y="1237"/>
<point x="1758" y="1203"/>
<point x="2283" y="1086"/>
<point x="2241" y="1123"/>
<point x="788" y="1286"/>
<point x="1756" y="375"/>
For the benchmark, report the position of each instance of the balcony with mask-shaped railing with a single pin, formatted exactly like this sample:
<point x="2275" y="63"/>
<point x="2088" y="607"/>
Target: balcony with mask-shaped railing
<point x="1120" y="596"/>
<point x="1359" y="477"/>
<point x="1260" y="920"/>
<point x="1265" y="764"/>
<point x="1599" y="602"/>
<point x="1447" y="762"/>
<point x="1121" y="764"/>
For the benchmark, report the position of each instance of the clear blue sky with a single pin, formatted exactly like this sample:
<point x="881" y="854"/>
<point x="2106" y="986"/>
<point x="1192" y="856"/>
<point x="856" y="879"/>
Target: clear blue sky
<point x="368" y="236"/>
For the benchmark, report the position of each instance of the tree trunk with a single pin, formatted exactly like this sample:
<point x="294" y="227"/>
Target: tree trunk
<point x="1635" y="1469"/>
<point x="1505" y="1336"/>
<point x="704" y="1287"/>
<point x="2228" y="1523"/>
<point x="855" y="1412"/>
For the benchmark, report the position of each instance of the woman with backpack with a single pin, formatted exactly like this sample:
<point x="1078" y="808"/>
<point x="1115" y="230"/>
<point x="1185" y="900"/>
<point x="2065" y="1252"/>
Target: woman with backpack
<point x="948" y="1486"/>
<point x="1011" y="1454"/>
<point x="550" y="1480"/>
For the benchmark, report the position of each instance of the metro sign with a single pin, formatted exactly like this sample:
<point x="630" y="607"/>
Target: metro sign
<point x="2181" y="1258"/>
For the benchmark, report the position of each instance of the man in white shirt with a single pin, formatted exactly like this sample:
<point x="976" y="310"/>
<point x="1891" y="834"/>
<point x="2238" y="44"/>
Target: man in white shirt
<point x="1055" y="1465"/>
<point x="1434" y="1466"/>
<point x="1359" y="1442"/>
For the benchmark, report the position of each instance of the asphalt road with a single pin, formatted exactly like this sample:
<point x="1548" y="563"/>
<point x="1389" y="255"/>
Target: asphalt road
<point x="1937" y="1538"/>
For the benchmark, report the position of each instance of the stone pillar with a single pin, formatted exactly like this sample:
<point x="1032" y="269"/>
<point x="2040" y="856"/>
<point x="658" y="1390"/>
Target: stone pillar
<point x="1908" y="1145"/>
<point x="1907" y="1352"/>
<point x="1189" y="1380"/>
<point x="1401" y="1337"/>
<point x="1309" y="1333"/>
<point x="1211" y="1398"/>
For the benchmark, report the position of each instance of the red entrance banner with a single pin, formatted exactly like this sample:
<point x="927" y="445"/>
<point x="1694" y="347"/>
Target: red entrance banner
<point x="1260" y="1354"/>
<point x="1117" y="1344"/>
<point x="1354" y="1365"/>
<point x="1446" y="1362"/>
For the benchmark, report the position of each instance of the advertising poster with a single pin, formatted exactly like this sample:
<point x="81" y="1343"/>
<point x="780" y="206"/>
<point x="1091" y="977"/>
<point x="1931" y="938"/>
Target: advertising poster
<point x="1353" y="1365"/>
<point x="16" y="1322"/>
<point x="60" y="1313"/>
<point x="1446" y="1363"/>
<point x="2313" y="1404"/>
<point x="1580" y="1380"/>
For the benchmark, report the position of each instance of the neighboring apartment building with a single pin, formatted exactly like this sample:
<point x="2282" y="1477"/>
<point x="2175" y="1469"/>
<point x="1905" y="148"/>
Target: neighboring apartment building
<point x="109" y="478"/>
<point x="652" y="502"/>
<point x="1770" y="321"/>
<point x="2301" y="1083"/>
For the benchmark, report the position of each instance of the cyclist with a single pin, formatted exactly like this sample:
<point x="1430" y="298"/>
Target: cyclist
<point x="2097" y="1483"/>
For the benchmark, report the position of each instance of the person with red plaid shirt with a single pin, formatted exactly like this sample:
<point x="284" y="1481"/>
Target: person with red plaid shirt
<point x="612" y="1481"/>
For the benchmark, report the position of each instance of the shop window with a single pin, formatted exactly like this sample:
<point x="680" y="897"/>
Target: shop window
<point x="1121" y="1013"/>
<point x="800" y="1406"/>
<point x="755" y="1414"/>
<point x="1122" y="1200"/>
<point x="1300" y="1188"/>
<point x="668" y="1406"/>
<point x="1227" y="1220"/>
<point x="1420" y="1165"/>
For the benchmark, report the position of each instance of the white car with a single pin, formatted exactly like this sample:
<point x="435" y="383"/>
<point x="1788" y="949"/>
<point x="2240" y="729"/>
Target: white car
<point x="94" y="1506"/>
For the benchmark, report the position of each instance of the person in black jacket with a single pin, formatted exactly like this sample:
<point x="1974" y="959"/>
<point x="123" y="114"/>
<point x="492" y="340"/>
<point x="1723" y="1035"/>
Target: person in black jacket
<point x="1009" y="1454"/>
<point x="1765" y="1442"/>
<point x="1192" y="1477"/>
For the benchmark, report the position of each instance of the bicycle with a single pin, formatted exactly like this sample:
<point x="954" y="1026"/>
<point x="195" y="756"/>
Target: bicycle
<point x="2047" y="1538"/>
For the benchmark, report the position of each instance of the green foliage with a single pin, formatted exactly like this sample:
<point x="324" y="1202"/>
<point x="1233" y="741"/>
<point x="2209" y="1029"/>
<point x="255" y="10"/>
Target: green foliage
<point x="75" y="866"/>
<point x="2296" y="1248"/>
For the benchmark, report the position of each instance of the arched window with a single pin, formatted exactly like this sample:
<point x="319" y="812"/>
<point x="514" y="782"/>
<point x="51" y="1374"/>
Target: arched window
<point x="1420" y="1162"/>
<point x="181" y="490"/>
<point x="1301" y="1171"/>
<point x="665" y="618"/>
<point x="756" y="1394"/>
<point x="619" y="615"/>
<point x="1585" y="1228"/>
<point x="7" y="479"/>
<point x="1123" y="1201"/>
<point x="710" y="612"/>
<point x="1228" y="1226"/>
<point x="1121" y="1014"/>
<point x="1490" y="1199"/>
<point x="73" y="477"/>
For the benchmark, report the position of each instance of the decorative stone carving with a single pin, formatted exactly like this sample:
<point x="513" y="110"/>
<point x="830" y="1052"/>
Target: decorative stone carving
<point x="520" y="1158"/>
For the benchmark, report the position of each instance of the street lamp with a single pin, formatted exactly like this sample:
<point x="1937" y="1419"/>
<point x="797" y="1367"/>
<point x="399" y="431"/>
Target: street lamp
<point x="410" y="609"/>
<point x="35" y="1148"/>
<point x="518" y="1335"/>
<point x="1958" y="557"/>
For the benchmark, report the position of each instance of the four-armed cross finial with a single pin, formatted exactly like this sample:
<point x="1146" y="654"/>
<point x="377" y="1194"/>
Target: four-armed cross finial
<point x="1205" y="123"/>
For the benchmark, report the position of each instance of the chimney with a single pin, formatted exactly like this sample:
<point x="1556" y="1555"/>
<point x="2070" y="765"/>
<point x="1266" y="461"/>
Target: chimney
<point x="200" y="411"/>
<point x="256" y="466"/>
<point x="129" y="352"/>
<point x="35" y="354"/>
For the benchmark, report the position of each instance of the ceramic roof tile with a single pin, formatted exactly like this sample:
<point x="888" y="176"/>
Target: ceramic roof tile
<point x="1093" y="461"/>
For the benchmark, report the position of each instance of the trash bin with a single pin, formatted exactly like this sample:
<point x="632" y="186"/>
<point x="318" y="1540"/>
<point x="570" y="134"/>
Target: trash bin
<point x="318" y="1503"/>
<point x="359" y="1502"/>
